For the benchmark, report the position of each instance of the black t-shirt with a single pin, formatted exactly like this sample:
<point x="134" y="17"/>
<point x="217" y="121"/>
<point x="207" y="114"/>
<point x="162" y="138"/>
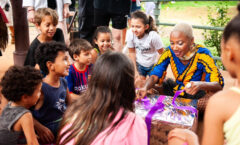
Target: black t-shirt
<point x="30" y="58"/>
<point x="113" y="6"/>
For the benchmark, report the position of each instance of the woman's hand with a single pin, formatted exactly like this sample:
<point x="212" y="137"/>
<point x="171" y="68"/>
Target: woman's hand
<point x="66" y="10"/>
<point x="193" y="87"/>
<point x="182" y="135"/>
<point x="141" y="93"/>
<point x="30" y="14"/>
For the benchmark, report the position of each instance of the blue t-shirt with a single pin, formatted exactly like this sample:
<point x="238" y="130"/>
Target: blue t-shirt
<point x="78" y="80"/>
<point x="54" y="105"/>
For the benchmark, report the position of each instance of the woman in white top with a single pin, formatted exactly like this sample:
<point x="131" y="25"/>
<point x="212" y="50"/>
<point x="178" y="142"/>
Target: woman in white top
<point x="62" y="8"/>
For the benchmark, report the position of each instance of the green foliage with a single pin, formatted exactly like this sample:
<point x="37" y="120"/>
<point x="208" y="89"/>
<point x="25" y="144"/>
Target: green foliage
<point x="217" y="17"/>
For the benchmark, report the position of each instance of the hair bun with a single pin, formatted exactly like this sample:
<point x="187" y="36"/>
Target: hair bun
<point x="238" y="7"/>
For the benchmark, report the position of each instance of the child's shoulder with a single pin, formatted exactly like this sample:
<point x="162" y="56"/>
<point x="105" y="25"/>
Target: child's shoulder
<point x="225" y="102"/>
<point x="35" y="42"/>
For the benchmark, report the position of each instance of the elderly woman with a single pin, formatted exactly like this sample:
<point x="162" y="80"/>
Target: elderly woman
<point x="192" y="65"/>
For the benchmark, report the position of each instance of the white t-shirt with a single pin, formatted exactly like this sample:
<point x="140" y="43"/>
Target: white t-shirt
<point x="146" y="47"/>
<point x="43" y="4"/>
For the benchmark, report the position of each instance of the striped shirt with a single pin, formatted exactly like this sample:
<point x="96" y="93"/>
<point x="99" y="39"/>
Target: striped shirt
<point x="78" y="80"/>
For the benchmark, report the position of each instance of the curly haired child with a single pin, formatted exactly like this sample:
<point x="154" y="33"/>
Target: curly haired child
<point x="21" y="87"/>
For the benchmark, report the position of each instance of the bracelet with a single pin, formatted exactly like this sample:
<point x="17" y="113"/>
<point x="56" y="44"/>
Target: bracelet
<point x="30" y="10"/>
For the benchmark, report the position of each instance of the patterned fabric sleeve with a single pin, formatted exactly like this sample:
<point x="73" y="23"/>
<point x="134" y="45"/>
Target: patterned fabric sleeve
<point x="210" y="68"/>
<point x="160" y="69"/>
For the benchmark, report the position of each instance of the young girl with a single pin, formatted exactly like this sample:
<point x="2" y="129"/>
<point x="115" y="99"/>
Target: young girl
<point x="144" y="43"/>
<point x="16" y="119"/>
<point x="222" y="126"/>
<point x="102" y="42"/>
<point x="105" y="115"/>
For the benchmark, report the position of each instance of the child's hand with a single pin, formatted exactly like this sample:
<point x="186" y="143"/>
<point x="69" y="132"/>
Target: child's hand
<point x="193" y="87"/>
<point x="141" y="93"/>
<point x="45" y="134"/>
<point x="184" y="135"/>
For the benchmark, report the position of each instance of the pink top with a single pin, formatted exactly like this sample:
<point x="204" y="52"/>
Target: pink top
<point x="131" y="130"/>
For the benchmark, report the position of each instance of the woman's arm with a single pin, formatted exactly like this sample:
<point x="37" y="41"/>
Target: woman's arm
<point x="205" y="86"/>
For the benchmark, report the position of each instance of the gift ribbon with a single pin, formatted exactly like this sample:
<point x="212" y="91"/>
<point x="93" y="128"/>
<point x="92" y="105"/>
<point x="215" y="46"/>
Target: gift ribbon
<point x="192" y="109"/>
<point x="158" y="106"/>
<point x="146" y="103"/>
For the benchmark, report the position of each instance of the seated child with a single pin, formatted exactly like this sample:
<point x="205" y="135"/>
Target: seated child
<point x="46" y="21"/>
<point x="144" y="43"/>
<point x="221" y="120"/>
<point x="52" y="57"/>
<point x="102" y="42"/>
<point x="16" y="119"/>
<point x="104" y="115"/>
<point x="80" y="70"/>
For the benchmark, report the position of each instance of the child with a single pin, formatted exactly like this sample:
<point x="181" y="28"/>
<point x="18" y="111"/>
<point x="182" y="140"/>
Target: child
<point x="52" y="57"/>
<point x="80" y="70"/>
<point x="104" y="115"/>
<point x="143" y="43"/>
<point x="221" y="121"/>
<point x="46" y="21"/>
<point x="16" y="119"/>
<point x="102" y="42"/>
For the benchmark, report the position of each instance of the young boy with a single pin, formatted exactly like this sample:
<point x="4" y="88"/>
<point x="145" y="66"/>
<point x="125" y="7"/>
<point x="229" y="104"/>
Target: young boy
<point x="46" y="21"/>
<point x="16" y="119"/>
<point x="52" y="57"/>
<point x="80" y="70"/>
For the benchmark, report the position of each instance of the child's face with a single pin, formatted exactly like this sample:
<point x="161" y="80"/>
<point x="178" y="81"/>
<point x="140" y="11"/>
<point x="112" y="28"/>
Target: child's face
<point x="47" y="28"/>
<point x="61" y="64"/>
<point x="85" y="57"/>
<point x="103" y="42"/>
<point x="230" y="55"/>
<point x="138" y="28"/>
<point x="32" y="100"/>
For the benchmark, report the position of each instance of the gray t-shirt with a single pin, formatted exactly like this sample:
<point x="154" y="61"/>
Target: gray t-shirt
<point x="146" y="47"/>
<point x="9" y="117"/>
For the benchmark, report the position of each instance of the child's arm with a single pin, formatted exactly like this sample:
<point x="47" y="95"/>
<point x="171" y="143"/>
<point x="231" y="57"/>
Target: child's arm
<point x="214" y="119"/>
<point x="45" y="134"/>
<point x="132" y="55"/>
<point x="26" y="122"/>
<point x="71" y="97"/>
<point x="94" y="55"/>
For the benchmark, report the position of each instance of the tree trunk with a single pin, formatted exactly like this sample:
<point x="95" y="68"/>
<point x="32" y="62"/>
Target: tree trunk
<point x="21" y="32"/>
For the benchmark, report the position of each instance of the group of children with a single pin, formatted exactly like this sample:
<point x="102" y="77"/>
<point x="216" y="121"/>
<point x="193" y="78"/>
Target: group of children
<point x="91" y="100"/>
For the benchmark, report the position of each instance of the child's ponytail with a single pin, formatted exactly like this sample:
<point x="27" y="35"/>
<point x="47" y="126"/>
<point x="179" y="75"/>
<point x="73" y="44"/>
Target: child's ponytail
<point x="152" y="25"/>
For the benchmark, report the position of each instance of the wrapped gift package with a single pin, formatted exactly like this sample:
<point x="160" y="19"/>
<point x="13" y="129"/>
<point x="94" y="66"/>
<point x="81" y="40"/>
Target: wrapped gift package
<point x="164" y="113"/>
